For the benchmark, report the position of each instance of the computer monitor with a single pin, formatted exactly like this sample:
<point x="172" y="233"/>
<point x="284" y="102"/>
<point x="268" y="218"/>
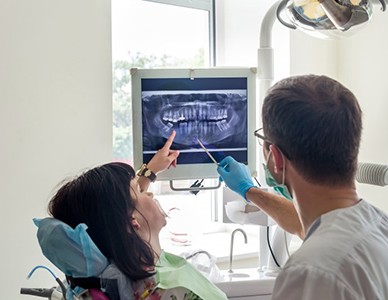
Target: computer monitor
<point x="215" y="105"/>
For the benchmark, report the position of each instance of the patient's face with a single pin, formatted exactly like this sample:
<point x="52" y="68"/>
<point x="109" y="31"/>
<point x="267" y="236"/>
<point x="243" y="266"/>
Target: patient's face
<point x="148" y="209"/>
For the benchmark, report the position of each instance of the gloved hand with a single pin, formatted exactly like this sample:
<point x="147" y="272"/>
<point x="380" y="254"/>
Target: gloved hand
<point x="236" y="176"/>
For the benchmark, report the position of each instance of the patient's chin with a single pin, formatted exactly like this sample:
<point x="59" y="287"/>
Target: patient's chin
<point x="164" y="214"/>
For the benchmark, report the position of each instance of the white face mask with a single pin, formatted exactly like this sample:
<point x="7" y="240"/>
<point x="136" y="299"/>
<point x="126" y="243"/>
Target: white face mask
<point x="281" y="189"/>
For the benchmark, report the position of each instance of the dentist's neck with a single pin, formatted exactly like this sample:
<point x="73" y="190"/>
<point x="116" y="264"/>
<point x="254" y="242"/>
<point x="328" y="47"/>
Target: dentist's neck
<point x="313" y="200"/>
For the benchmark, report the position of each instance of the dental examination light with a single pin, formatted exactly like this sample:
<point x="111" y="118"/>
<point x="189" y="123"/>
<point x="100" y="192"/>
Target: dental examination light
<point x="375" y="174"/>
<point x="326" y="18"/>
<point x="319" y="18"/>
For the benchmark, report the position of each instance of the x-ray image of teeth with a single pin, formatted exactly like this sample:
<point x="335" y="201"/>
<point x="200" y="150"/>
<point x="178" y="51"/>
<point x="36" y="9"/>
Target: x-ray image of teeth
<point x="215" y="117"/>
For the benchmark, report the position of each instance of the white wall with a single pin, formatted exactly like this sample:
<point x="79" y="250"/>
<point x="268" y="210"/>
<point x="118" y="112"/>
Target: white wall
<point x="238" y="32"/>
<point x="310" y="55"/>
<point x="55" y="117"/>
<point x="364" y="68"/>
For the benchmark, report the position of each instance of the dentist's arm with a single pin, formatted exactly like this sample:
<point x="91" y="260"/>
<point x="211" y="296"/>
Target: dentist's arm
<point x="278" y="208"/>
<point x="162" y="160"/>
<point x="238" y="178"/>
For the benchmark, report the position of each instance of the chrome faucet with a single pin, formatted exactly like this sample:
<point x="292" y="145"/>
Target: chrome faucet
<point x="231" y="246"/>
<point x="197" y="253"/>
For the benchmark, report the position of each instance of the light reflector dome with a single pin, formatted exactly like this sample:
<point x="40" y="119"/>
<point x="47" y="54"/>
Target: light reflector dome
<point x="326" y="18"/>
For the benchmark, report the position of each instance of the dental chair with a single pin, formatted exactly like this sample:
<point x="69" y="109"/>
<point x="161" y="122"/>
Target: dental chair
<point x="89" y="274"/>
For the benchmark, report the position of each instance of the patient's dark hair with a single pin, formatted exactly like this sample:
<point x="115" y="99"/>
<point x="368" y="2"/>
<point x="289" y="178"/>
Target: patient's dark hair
<point x="101" y="199"/>
<point x="317" y="123"/>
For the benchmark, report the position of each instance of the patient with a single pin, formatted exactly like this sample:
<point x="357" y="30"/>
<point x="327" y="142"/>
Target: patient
<point x="124" y="221"/>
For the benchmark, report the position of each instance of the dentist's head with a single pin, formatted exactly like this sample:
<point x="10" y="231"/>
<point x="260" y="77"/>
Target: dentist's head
<point x="314" y="124"/>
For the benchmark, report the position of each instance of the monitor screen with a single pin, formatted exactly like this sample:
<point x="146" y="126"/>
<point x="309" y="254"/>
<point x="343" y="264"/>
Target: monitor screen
<point x="215" y="106"/>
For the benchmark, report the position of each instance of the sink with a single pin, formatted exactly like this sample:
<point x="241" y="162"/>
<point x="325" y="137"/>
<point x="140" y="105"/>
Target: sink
<point x="246" y="282"/>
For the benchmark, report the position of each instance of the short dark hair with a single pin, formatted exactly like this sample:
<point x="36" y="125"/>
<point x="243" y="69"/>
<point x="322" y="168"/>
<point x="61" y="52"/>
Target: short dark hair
<point x="101" y="198"/>
<point x="316" y="122"/>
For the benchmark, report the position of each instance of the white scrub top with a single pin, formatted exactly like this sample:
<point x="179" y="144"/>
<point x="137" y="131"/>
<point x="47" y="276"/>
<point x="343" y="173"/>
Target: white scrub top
<point x="344" y="256"/>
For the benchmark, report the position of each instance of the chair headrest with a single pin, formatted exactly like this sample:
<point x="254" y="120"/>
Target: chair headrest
<point x="70" y="250"/>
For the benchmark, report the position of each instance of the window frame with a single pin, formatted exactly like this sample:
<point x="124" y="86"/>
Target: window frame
<point x="206" y="5"/>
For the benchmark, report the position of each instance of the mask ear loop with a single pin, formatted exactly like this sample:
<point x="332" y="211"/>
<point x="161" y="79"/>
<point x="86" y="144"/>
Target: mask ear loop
<point x="269" y="156"/>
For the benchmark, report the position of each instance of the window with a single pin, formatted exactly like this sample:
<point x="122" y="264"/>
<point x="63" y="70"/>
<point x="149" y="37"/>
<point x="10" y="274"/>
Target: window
<point x="158" y="34"/>
<point x="153" y="35"/>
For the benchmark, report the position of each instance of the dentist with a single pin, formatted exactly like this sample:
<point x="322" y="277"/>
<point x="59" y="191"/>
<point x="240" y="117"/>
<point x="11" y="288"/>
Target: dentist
<point x="311" y="136"/>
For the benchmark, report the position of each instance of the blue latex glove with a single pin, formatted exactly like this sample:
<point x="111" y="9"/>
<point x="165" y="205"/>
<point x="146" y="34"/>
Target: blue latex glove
<point x="236" y="176"/>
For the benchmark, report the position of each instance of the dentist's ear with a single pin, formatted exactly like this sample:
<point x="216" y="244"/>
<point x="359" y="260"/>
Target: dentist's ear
<point x="278" y="158"/>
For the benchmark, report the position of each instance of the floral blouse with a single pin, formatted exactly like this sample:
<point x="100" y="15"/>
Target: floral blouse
<point x="146" y="290"/>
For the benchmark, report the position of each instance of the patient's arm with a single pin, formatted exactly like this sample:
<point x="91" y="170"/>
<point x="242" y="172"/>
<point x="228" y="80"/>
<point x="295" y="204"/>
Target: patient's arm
<point x="162" y="160"/>
<point x="278" y="208"/>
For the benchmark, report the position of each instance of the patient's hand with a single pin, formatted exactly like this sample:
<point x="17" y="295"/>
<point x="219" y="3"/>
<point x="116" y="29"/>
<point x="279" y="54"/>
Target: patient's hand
<point x="165" y="157"/>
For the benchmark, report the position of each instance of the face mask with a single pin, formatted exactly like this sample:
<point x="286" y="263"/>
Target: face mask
<point x="281" y="189"/>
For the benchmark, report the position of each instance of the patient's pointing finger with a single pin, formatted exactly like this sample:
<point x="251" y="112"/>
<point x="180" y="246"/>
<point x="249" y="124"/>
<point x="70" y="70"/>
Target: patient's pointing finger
<point x="170" y="140"/>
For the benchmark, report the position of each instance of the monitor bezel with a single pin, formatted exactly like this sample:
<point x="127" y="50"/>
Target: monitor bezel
<point x="192" y="171"/>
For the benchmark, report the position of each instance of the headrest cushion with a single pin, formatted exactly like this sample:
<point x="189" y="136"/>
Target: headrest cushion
<point x="70" y="250"/>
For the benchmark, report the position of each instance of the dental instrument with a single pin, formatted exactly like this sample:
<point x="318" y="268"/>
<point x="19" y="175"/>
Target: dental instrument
<point x="207" y="151"/>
